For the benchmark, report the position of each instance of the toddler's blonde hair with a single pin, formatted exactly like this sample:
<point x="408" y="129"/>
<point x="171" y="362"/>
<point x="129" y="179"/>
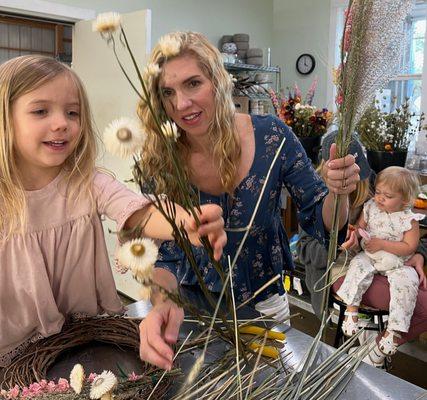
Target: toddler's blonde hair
<point x="400" y="180"/>
<point x="18" y="77"/>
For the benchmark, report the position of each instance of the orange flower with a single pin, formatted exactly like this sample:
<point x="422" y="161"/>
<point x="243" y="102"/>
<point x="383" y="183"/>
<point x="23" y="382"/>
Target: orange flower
<point x="388" y="147"/>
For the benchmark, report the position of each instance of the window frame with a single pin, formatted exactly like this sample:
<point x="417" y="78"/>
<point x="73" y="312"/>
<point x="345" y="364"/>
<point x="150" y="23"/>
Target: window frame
<point x="336" y="8"/>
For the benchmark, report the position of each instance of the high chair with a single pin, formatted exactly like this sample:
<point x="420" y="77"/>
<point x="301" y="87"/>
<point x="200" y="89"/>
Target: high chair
<point x="376" y="315"/>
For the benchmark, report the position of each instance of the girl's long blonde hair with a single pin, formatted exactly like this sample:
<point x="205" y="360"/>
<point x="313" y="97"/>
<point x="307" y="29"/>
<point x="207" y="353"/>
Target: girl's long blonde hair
<point x="19" y="76"/>
<point x="222" y="131"/>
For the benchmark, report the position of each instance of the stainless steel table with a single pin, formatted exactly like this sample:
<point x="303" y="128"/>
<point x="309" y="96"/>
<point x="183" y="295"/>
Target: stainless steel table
<point x="368" y="383"/>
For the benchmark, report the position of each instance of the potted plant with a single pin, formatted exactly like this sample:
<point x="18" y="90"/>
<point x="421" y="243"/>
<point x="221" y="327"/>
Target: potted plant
<point x="308" y="122"/>
<point x="387" y="135"/>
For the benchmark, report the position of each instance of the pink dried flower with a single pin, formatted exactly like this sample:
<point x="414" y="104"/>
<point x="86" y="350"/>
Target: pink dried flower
<point x="43" y="384"/>
<point x="62" y="385"/>
<point x="134" y="377"/>
<point x="26" y="392"/>
<point x="274" y="100"/>
<point x="310" y="93"/>
<point x="13" y="393"/>
<point x="91" y="377"/>
<point x="35" y="389"/>
<point x="347" y="30"/>
<point x="51" y="387"/>
<point x="297" y="91"/>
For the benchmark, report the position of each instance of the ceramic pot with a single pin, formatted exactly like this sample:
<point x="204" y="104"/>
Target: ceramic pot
<point x="311" y="146"/>
<point x="379" y="160"/>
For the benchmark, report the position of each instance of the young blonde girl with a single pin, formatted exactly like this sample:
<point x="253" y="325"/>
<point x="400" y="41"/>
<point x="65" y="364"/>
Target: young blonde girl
<point x="53" y="257"/>
<point x="390" y="235"/>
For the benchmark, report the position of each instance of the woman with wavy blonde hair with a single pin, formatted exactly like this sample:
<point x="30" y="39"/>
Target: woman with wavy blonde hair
<point x="237" y="161"/>
<point x="222" y="135"/>
<point x="53" y="257"/>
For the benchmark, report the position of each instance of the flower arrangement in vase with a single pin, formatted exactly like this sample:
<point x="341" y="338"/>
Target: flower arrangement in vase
<point x="387" y="135"/>
<point x="308" y="122"/>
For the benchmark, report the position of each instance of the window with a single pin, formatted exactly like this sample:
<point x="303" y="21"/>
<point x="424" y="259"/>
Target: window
<point x="20" y="36"/>
<point x="408" y="83"/>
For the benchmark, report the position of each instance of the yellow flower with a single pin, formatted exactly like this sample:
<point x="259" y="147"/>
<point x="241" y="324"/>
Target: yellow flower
<point x="169" y="46"/>
<point x="107" y="22"/>
<point x="170" y="130"/>
<point x="103" y="385"/>
<point x="124" y="137"/>
<point x="77" y="377"/>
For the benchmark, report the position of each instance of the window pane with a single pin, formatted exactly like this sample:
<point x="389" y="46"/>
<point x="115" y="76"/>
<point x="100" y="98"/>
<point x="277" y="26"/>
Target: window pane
<point x="417" y="48"/>
<point x="399" y="90"/>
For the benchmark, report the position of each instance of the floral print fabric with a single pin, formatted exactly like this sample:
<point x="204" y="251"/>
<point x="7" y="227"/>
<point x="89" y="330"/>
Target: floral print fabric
<point x="266" y="250"/>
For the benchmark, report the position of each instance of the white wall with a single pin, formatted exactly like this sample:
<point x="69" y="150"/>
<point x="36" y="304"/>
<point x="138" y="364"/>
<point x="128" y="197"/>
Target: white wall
<point x="214" y="18"/>
<point x="302" y="27"/>
<point x="289" y="27"/>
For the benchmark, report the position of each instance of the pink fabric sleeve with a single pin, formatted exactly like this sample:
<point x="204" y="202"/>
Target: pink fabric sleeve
<point x="115" y="200"/>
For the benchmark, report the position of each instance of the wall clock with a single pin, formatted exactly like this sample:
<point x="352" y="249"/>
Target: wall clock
<point x="305" y="64"/>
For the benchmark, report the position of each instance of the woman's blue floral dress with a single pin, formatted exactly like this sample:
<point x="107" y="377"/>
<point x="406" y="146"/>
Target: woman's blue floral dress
<point x="266" y="250"/>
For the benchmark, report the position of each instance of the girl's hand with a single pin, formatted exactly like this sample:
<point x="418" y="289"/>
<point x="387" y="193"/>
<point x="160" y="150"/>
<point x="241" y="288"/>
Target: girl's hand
<point x="340" y="174"/>
<point x="374" y="245"/>
<point x="158" y="332"/>
<point x="212" y="226"/>
<point x="417" y="261"/>
<point x="352" y="242"/>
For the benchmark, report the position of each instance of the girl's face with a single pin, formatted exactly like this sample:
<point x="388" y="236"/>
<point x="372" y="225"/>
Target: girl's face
<point x="387" y="200"/>
<point x="188" y="95"/>
<point x="46" y="125"/>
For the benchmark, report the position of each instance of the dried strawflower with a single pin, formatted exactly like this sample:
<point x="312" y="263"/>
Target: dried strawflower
<point x="139" y="255"/>
<point x="124" y="137"/>
<point x="170" y="130"/>
<point x="107" y="22"/>
<point x="152" y="70"/>
<point x="77" y="377"/>
<point x="169" y="46"/>
<point x="103" y="385"/>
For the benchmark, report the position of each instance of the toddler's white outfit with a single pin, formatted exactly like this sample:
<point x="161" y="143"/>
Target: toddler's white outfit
<point x="403" y="280"/>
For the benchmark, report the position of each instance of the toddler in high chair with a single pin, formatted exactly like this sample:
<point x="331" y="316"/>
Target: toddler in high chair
<point x="389" y="233"/>
<point x="53" y="256"/>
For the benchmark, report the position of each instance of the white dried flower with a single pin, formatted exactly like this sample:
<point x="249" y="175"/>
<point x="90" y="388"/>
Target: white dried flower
<point x="107" y="22"/>
<point x="103" y="385"/>
<point x="124" y="137"/>
<point x="169" y="46"/>
<point x="170" y="130"/>
<point x="139" y="255"/>
<point x="77" y="378"/>
<point x="152" y="70"/>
